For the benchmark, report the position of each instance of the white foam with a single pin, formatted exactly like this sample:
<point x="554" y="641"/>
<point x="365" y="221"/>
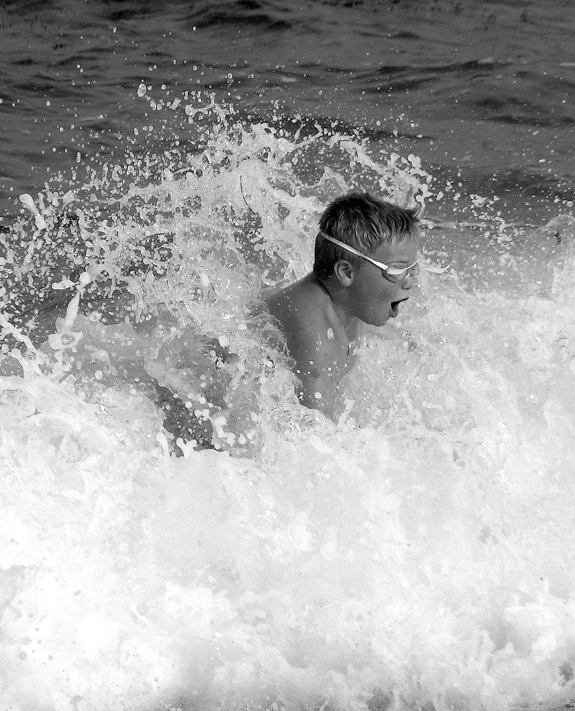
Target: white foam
<point x="416" y="555"/>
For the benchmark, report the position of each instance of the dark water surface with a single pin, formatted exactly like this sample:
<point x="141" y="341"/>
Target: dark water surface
<point x="484" y="90"/>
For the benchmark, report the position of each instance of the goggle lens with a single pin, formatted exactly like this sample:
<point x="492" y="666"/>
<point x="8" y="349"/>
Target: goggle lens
<point x="396" y="275"/>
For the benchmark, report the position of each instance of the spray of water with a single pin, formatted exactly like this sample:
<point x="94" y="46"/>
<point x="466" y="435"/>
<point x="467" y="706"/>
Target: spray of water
<point x="178" y="532"/>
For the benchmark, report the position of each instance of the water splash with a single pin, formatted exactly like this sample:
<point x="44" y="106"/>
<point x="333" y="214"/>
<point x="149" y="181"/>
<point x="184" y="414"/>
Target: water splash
<point x="415" y="555"/>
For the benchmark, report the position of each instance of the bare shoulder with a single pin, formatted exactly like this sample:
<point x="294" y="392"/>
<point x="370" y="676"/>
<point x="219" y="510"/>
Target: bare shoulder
<point x="305" y="315"/>
<point x="300" y="304"/>
<point x="315" y="340"/>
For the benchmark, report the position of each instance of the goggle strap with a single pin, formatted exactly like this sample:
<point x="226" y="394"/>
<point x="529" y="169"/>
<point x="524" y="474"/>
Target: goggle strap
<point x="395" y="271"/>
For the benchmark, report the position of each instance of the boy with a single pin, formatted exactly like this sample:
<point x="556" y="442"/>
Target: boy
<point x="365" y="260"/>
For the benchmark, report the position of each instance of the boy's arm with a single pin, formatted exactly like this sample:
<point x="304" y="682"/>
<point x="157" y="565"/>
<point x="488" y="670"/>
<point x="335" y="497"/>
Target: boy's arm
<point x="316" y="359"/>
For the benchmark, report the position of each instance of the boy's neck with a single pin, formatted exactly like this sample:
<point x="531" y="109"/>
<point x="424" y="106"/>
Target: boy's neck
<point x="338" y="296"/>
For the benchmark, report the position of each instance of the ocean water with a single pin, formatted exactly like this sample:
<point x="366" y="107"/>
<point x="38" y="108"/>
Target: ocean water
<point x="177" y="532"/>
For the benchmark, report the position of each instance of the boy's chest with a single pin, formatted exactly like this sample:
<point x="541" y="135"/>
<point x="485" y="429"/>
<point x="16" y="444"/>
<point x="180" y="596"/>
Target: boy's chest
<point x="342" y="350"/>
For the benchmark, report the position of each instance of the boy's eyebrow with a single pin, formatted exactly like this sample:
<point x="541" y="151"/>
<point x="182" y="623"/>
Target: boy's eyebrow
<point x="399" y="261"/>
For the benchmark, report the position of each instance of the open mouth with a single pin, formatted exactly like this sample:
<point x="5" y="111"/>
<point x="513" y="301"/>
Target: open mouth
<point x="394" y="310"/>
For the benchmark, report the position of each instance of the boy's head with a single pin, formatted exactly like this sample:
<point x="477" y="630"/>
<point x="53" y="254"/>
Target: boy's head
<point x="364" y="223"/>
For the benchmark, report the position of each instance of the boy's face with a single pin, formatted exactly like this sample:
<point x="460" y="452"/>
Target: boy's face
<point x="376" y="299"/>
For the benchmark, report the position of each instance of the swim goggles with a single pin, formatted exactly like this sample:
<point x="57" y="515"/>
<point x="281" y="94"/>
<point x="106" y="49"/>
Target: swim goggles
<point x="394" y="274"/>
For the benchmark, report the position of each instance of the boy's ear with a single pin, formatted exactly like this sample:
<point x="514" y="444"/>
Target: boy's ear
<point x="344" y="272"/>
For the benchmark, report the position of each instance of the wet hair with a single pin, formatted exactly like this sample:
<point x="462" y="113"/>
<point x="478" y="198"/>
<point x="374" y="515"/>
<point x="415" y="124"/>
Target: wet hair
<point x="363" y="222"/>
